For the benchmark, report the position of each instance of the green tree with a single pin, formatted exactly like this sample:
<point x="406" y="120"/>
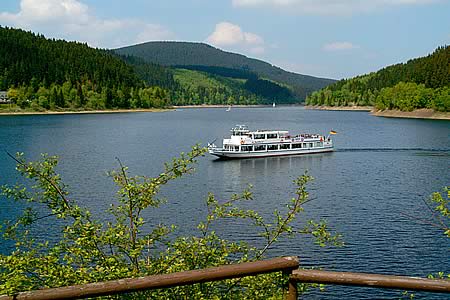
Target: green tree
<point x="60" y="101"/>
<point x="412" y="85"/>
<point x="81" y="101"/>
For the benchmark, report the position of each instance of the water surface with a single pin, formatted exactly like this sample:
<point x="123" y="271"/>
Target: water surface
<point x="380" y="173"/>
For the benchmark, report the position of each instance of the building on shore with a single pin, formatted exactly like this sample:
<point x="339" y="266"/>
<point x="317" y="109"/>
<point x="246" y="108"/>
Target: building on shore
<point x="4" y="97"/>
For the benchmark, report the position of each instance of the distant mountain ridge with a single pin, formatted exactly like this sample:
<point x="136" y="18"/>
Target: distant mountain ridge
<point x="191" y="54"/>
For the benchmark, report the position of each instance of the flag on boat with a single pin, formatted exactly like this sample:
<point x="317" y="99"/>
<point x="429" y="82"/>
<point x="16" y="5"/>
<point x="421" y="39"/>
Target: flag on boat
<point x="333" y="132"/>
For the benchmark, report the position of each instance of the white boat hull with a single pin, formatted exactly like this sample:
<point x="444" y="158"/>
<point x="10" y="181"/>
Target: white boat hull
<point x="219" y="152"/>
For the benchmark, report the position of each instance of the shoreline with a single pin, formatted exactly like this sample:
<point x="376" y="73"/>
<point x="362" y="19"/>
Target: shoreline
<point x="340" y="108"/>
<point x="74" y="112"/>
<point x="423" y="113"/>
<point x="113" y="111"/>
<point x="220" y="106"/>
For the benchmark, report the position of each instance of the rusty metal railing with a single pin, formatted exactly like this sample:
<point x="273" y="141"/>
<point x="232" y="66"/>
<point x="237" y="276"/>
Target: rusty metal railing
<point x="288" y="265"/>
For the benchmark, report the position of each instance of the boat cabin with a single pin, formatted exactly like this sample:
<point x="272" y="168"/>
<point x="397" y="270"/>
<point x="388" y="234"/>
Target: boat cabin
<point x="246" y="143"/>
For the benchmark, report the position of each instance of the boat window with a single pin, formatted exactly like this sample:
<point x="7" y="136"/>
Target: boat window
<point x="311" y="145"/>
<point x="296" y="146"/>
<point x="246" y="148"/>
<point x="260" y="136"/>
<point x="260" y="147"/>
<point x="319" y="144"/>
<point x="272" y="147"/>
<point x="236" y="148"/>
<point x="271" y="135"/>
<point x="285" y="146"/>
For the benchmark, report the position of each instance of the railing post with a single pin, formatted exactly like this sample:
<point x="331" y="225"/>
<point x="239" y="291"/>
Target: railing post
<point x="291" y="288"/>
<point x="291" y="292"/>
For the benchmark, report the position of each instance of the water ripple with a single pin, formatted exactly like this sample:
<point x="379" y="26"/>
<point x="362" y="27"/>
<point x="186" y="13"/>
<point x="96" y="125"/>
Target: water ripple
<point x="446" y="151"/>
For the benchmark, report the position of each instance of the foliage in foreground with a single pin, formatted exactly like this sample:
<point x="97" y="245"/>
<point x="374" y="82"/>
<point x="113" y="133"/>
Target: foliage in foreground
<point x="91" y="251"/>
<point x="442" y="207"/>
<point x="440" y="213"/>
<point x="439" y="206"/>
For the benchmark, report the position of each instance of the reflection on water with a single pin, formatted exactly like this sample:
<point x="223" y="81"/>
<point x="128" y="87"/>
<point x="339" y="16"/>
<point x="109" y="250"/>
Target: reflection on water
<point x="267" y="166"/>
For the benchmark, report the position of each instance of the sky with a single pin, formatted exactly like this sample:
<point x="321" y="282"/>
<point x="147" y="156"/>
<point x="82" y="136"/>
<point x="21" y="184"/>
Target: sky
<point x="324" y="38"/>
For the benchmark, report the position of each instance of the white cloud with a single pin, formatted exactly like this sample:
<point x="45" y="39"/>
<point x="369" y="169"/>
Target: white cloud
<point x="328" y="7"/>
<point x="226" y="34"/>
<point x="253" y="39"/>
<point x="340" y="46"/>
<point x="73" y="20"/>
<point x="231" y="35"/>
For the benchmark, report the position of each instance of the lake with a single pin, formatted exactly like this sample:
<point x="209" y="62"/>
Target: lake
<point x="367" y="189"/>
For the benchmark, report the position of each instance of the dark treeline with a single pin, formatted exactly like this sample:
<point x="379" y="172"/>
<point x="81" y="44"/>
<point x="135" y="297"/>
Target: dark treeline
<point x="42" y="74"/>
<point x="222" y="71"/>
<point x="250" y="90"/>
<point x="420" y="83"/>
<point x="30" y="59"/>
<point x="269" y="90"/>
<point x="198" y="95"/>
<point x="152" y="74"/>
<point x="263" y="91"/>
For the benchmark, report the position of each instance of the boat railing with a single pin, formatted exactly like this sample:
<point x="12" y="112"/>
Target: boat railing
<point x="288" y="265"/>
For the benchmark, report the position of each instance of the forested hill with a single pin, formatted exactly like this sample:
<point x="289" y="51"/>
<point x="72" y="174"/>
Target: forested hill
<point x="48" y="74"/>
<point x="27" y="58"/>
<point x="200" y="54"/>
<point x="419" y="83"/>
<point x="41" y="73"/>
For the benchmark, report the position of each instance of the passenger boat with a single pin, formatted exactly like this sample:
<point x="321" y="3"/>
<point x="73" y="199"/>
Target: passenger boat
<point x="244" y="143"/>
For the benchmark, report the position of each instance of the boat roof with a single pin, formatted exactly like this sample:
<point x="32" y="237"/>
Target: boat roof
<point x="244" y="129"/>
<point x="269" y="131"/>
<point x="240" y="128"/>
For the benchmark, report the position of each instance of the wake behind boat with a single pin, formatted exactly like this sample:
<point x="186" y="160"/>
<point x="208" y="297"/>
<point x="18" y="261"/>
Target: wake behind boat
<point x="244" y="143"/>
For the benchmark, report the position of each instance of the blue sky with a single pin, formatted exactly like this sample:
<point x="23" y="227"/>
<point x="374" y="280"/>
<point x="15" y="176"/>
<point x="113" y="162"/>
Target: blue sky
<point x="326" y="38"/>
